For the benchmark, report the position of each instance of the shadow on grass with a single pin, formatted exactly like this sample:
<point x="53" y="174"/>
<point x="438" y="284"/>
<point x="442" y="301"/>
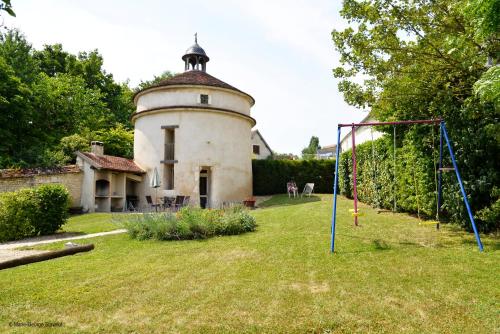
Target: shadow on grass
<point x="284" y="200"/>
<point x="487" y="243"/>
<point x="383" y="245"/>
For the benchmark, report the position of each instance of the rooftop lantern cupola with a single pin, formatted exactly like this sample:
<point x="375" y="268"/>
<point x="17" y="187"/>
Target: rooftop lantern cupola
<point x="195" y="57"/>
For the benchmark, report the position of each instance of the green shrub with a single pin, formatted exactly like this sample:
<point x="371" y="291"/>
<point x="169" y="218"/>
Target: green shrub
<point x="54" y="202"/>
<point x="17" y="211"/>
<point x="271" y="176"/>
<point x="31" y="212"/>
<point x="190" y="223"/>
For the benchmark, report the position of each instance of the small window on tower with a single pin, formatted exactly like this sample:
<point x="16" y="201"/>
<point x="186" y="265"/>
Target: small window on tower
<point x="204" y="99"/>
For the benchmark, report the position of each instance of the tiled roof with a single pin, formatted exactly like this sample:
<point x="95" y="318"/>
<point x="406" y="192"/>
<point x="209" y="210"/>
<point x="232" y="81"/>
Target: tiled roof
<point x="112" y="163"/>
<point x="27" y="172"/>
<point x="196" y="77"/>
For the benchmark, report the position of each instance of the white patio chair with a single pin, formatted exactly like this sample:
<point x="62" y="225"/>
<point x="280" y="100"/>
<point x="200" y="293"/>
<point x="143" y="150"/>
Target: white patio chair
<point x="308" y="189"/>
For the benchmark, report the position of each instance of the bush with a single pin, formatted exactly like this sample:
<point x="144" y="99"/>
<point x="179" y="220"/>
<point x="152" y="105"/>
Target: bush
<point x="270" y="176"/>
<point x="31" y="212"/>
<point x="190" y="223"/>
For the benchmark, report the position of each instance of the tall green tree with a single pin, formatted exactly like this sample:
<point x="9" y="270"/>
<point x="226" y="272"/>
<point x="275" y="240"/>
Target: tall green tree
<point x="311" y="150"/>
<point x="89" y="66"/>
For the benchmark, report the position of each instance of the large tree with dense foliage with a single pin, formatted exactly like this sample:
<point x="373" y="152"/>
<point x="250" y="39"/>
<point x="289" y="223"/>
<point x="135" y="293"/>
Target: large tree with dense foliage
<point x="50" y="95"/>
<point x="421" y="59"/>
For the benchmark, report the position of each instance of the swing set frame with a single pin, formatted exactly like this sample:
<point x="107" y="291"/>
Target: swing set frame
<point x="443" y="136"/>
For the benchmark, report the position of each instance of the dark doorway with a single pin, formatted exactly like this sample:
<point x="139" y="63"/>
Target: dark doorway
<point x="204" y="188"/>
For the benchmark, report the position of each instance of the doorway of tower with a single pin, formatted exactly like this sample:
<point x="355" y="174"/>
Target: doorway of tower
<point x="204" y="187"/>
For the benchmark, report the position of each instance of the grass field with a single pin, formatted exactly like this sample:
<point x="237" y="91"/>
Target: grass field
<point x="389" y="276"/>
<point x="90" y="223"/>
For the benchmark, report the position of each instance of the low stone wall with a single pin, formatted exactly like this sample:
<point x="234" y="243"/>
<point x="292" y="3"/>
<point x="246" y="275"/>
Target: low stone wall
<point x="69" y="176"/>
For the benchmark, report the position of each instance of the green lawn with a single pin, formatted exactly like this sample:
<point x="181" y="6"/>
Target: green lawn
<point x="389" y="276"/>
<point x="91" y="223"/>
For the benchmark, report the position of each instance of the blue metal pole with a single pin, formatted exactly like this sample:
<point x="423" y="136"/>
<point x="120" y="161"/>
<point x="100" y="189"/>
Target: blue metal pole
<point x="440" y="171"/>
<point x="335" y="186"/>
<point x="464" y="195"/>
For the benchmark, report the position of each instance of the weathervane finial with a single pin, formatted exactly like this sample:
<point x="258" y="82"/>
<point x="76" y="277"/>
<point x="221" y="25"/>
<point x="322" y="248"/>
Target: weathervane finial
<point x="196" y="37"/>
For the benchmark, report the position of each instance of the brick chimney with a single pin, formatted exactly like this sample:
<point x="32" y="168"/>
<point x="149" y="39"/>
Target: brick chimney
<point x="97" y="147"/>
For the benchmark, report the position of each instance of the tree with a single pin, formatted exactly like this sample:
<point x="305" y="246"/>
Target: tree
<point x="117" y="141"/>
<point x="6" y="6"/>
<point x="156" y="80"/>
<point x="311" y="150"/>
<point x="48" y="96"/>
<point x="89" y="66"/>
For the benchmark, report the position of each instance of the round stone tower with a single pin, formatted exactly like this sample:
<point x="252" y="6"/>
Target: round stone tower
<point x="195" y="130"/>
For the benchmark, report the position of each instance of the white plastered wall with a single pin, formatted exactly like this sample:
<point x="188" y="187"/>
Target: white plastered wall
<point x="204" y="138"/>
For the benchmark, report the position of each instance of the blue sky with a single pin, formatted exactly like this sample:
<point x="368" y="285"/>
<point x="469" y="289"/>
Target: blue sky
<point x="278" y="51"/>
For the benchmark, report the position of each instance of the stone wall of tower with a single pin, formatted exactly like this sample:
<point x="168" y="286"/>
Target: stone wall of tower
<point x="216" y="140"/>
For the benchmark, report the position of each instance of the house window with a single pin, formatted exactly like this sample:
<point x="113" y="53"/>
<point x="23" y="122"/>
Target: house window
<point x="169" y="156"/>
<point x="169" y="144"/>
<point x="256" y="149"/>
<point x="203" y="99"/>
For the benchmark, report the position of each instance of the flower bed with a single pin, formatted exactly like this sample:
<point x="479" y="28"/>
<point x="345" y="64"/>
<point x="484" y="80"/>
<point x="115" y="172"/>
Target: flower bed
<point x="190" y="223"/>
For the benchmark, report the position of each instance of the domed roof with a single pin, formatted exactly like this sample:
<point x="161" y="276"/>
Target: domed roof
<point x="195" y="49"/>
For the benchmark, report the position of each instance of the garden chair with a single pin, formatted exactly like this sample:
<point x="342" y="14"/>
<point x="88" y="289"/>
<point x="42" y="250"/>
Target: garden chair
<point x="308" y="189"/>
<point x="178" y="203"/>
<point x="152" y="205"/>
<point x="131" y="206"/>
<point x="167" y="202"/>
<point x="292" y="188"/>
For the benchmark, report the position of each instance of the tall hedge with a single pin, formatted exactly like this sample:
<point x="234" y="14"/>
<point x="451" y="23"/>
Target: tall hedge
<point x="33" y="211"/>
<point x="271" y="176"/>
<point x="414" y="185"/>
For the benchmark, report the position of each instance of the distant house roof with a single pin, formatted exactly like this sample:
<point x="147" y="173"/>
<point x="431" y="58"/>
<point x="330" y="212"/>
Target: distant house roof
<point x="256" y="132"/>
<point x="110" y="162"/>
<point x="195" y="77"/>
<point x="328" y="149"/>
<point x="28" y="172"/>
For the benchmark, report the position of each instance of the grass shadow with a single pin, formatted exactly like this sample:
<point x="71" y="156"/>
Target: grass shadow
<point x="284" y="200"/>
<point x="382" y="245"/>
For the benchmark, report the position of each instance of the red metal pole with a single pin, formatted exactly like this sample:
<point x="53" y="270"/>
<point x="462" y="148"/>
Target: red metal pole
<point x="355" y="188"/>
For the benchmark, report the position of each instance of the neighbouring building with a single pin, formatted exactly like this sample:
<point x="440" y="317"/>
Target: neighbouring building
<point x="327" y="152"/>
<point x="260" y="148"/>
<point x="193" y="129"/>
<point x="363" y="134"/>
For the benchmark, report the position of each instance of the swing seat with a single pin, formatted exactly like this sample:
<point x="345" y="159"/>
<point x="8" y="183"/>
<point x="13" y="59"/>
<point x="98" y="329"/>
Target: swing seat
<point x="356" y="214"/>
<point x="429" y="222"/>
